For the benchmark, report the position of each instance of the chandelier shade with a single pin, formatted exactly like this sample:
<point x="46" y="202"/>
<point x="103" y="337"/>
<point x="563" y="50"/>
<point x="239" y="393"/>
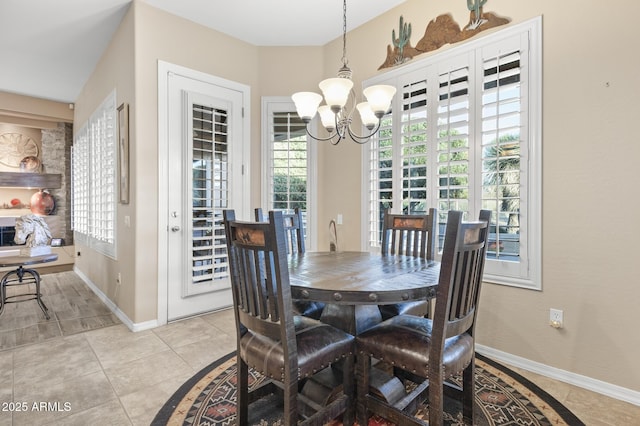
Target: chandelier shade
<point x="336" y="92"/>
<point x="336" y="114"/>
<point x="306" y="104"/>
<point x="379" y="98"/>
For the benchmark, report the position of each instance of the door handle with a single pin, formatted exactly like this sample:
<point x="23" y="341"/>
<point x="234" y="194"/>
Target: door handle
<point x="175" y="228"/>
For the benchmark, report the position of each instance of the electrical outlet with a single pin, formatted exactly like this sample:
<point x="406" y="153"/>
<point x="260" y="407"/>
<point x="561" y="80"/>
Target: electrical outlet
<point x="556" y="318"/>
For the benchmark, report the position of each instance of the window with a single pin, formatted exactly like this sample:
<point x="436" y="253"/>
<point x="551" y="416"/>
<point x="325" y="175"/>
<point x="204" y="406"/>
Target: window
<point x="94" y="179"/>
<point x="287" y="162"/>
<point x="463" y="134"/>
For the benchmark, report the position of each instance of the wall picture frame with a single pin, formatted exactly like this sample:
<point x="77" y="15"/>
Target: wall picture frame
<point x="123" y="152"/>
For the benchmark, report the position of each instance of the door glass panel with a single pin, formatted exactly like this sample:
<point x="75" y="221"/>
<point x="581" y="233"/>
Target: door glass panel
<point x="210" y="193"/>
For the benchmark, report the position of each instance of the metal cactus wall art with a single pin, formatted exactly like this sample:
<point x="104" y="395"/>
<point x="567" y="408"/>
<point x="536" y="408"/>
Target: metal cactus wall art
<point x="404" y="34"/>
<point x="441" y="30"/>
<point x="475" y="6"/>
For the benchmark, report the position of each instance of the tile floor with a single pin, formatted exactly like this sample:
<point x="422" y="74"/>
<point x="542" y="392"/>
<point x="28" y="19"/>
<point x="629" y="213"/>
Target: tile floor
<point x="111" y="376"/>
<point x="73" y="308"/>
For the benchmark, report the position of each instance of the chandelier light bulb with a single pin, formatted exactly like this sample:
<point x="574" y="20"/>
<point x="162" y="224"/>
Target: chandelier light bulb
<point x="379" y="98"/>
<point x="336" y="92"/>
<point x="306" y="104"/>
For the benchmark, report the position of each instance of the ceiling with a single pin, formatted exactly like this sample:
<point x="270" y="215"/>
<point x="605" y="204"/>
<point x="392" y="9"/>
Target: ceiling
<point x="48" y="49"/>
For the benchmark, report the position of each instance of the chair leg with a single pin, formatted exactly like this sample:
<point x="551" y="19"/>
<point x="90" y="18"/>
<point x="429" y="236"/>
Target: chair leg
<point x="468" y="391"/>
<point x="36" y="279"/>
<point x="436" y="398"/>
<point x="242" y="414"/>
<point x="290" y="414"/>
<point x="363" y="366"/>
<point x="3" y="293"/>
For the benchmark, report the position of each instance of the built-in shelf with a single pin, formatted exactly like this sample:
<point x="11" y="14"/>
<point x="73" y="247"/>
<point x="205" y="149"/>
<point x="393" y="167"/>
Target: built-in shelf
<point x="30" y="180"/>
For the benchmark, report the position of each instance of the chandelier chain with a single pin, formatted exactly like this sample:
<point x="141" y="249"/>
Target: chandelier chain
<point x="344" y="33"/>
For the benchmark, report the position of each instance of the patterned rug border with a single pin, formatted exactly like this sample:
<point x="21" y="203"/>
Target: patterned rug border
<point x="556" y="405"/>
<point x="178" y="405"/>
<point x="178" y="396"/>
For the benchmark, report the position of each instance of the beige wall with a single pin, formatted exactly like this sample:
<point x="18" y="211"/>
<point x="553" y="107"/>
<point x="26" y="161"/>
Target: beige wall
<point x="589" y="153"/>
<point x="33" y="112"/>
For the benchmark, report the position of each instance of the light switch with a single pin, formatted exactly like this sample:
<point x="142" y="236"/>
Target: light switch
<point x="339" y="219"/>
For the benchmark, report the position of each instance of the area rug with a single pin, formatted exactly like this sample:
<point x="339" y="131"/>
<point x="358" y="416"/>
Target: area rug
<point x="503" y="397"/>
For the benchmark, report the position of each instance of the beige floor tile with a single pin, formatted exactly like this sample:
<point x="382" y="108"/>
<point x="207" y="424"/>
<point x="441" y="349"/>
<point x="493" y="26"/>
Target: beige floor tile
<point x="200" y="354"/>
<point x="7" y="339"/>
<point x="72" y="396"/>
<point x="6" y="384"/>
<point x="37" y="333"/>
<point x="147" y="372"/>
<point x="6" y="419"/>
<point x="142" y="406"/>
<point x="186" y="332"/>
<point x="111" y="413"/>
<point x="224" y="320"/>
<point x="598" y="410"/>
<point x="117" y="345"/>
<point x="54" y="361"/>
<point x="78" y="325"/>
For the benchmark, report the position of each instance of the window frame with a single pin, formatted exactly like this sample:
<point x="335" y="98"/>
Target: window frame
<point x="94" y="170"/>
<point x="528" y="271"/>
<point x="275" y="104"/>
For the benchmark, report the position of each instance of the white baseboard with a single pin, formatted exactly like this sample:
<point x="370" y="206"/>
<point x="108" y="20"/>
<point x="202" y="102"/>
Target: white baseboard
<point x="112" y="306"/>
<point x="604" y="388"/>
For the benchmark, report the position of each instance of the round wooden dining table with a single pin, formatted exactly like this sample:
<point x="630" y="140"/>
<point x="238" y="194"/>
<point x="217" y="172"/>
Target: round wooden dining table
<point x="353" y="284"/>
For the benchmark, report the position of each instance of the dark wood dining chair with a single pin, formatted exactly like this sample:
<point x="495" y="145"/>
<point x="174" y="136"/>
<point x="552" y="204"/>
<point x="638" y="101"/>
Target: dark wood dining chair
<point x="409" y="235"/>
<point x="296" y="243"/>
<point x="430" y="351"/>
<point x="286" y="348"/>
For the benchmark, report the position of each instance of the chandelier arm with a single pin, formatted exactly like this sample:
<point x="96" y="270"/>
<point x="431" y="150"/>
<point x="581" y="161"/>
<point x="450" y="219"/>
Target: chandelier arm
<point x="363" y="139"/>
<point x="330" y="138"/>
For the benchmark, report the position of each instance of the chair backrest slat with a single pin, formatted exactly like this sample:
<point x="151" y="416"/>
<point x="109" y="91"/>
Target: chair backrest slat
<point x="410" y="235"/>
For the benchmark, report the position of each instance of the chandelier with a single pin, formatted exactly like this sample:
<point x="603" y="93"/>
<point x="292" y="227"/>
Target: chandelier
<point x="340" y="102"/>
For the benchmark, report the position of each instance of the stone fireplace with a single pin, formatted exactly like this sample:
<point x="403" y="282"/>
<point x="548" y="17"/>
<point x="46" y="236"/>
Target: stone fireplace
<point x="55" y="175"/>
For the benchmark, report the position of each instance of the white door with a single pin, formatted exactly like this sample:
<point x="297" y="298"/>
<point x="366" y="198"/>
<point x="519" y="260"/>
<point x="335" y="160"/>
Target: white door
<point x="204" y="168"/>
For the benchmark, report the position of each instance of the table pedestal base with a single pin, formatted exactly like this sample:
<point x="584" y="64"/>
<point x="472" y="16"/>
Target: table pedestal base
<point x="33" y="277"/>
<point x="323" y="387"/>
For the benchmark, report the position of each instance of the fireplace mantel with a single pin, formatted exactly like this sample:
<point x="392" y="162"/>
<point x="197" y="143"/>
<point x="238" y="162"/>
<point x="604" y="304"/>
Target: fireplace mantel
<point x="30" y="180"/>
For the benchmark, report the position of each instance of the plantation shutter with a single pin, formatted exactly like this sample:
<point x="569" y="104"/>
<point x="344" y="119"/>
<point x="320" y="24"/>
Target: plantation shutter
<point x="453" y="139"/>
<point x="210" y="189"/>
<point x="289" y="162"/>
<point x="504" y="96"/>
<point x="380" y="179"/>
<point x="94" y="179"/>
<point x="413" y="148"/>
<point x="461" y="130"/>
<point x="81" y="173"/>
